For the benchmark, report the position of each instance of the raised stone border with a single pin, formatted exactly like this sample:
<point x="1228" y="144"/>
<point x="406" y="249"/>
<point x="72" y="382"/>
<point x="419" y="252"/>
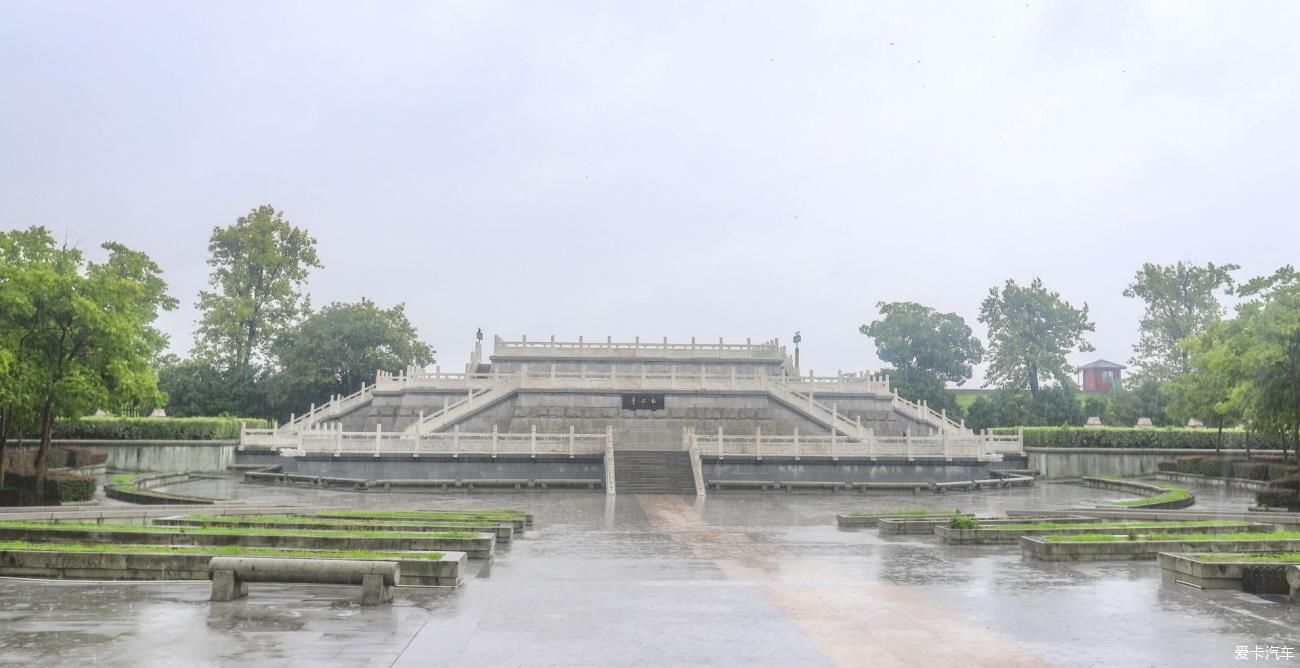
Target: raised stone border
<point x="851" y="520"/>
<point x="833" y="486"/>
<point x="521" y="522"/>
<point x="924" y="526"/>
<point x="481" y="546"/>
<point x="1140" y="489"/>
<point x="996" y="536"/>
<point x="449" y="571"/>
<point x="1221" y="481"/>
<point x="141" y="490"/>
<point x="504" y="530"/>
<point x="439" y="484"/>
<point x="1180" y="568"/>
<point x="1034" y="547"/>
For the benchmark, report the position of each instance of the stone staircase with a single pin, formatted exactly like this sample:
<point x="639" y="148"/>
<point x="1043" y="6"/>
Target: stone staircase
<point x="653" y="472"/>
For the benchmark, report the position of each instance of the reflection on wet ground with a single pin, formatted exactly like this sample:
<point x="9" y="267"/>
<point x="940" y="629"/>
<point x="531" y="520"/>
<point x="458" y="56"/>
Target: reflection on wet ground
<point x="758" y="579"/>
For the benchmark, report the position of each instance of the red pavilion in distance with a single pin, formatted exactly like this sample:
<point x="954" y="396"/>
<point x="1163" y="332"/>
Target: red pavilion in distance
<point x="1100" y="376"/>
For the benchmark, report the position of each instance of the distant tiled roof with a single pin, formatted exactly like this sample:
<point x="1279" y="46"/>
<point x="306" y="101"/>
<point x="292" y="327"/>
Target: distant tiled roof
<point x="1102" y="364"/>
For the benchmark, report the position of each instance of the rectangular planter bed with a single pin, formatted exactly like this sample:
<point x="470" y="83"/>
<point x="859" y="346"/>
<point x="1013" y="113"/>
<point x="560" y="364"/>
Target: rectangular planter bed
<point x="504" y="531"/>
<point x="1034" y="547"/>
<point x="870" y="519"/>
<point x="999" y="536"/>
<point x="520" y="523"/>
<point x="482" y="546"/>
<point x="446" y="571"/>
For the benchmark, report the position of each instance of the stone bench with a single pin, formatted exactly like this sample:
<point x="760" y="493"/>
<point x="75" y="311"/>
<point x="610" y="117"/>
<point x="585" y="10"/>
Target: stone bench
<point x="1293" y="581"/>
<point x="230" y="575"/>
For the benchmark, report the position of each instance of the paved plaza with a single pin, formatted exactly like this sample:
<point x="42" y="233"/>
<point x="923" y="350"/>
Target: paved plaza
<point x="658" y="580"/>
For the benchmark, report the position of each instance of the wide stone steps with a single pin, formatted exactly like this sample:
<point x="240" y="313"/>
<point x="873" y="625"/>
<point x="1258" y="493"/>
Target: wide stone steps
<point x="653" y="472"/>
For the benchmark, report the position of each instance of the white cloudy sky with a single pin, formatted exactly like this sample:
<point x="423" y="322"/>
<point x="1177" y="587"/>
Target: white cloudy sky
<point x="666" y="168"/>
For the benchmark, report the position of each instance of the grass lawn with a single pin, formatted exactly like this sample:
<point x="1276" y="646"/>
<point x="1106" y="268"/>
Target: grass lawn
<point x="217" y="551"/>
<point x="268" y="531"/>
<point x="1267" y="557"/>
<point x="1113" y="538"/>
<point x="1133" y="524"/>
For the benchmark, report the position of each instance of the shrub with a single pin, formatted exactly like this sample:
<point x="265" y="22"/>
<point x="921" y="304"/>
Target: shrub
<point x="1280" y="494"/>
<point x="1122" y="437"/>
<point x="1278" y="471"/>
<point x="1213" y="466"/>
<point x="1188" y="464"/>
<point x="154" y="429"/>
<point x="963" y="522"/>
<point x="1167" y="465"/>
<point x="56" y="458"/>
<point x="58" y="488"/>
<point x="1250" y="470"/>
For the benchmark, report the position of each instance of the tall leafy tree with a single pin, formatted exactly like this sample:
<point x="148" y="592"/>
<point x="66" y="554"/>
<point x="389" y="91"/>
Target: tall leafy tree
<point x="84" y="329"/>
<point x="1270" y="355"/>
<point x="337" y="348"/>
<point x="925" y="349"/>
<point x="1210" y="389"/>
<point x="259" y="268"/>
<point x="1181" y="301"/>
<point x="1031" y="329"/>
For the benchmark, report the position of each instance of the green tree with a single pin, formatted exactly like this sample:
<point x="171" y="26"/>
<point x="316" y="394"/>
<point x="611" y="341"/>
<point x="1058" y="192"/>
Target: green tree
<point x="85" y="329"/>
<point x="195" y="387"/>
<point x="336" y="349"/>
<point x="259" y="268"/>
<point x="1270" y="352"/>
<point x="926" y="349"/>
<point x="1181" y="301"/>
<point x="1030" y="331"/>
<point x="1209" y="390"/>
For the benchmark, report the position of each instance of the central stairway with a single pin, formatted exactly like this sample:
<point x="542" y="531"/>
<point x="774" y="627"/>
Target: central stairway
<point x="653" y="472"/>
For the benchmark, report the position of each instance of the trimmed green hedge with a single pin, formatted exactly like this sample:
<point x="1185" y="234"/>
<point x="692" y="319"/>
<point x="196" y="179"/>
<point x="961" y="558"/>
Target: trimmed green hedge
<point x="56" y="458"/>
<point x="58" y="488"/>
<point x="1127" y="437"/>
<point x="1280" y="494"/>
<point x="155" y="429"/>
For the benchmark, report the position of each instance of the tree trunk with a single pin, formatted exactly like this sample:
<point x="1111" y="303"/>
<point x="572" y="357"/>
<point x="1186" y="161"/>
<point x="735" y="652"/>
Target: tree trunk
<point x="4" y="440"/>
<point x="1032" y="370"/>
<point x="47" y="431"/>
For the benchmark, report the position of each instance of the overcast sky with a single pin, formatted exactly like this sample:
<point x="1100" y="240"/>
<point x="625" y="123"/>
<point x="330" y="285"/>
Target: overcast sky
<point x="662" y="168"/>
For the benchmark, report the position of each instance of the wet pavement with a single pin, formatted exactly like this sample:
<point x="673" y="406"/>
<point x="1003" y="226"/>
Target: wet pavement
<point x="753" y="579"/>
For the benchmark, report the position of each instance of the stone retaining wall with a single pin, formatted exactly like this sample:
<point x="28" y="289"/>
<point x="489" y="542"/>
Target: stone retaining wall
<point x="1032" y="547"/>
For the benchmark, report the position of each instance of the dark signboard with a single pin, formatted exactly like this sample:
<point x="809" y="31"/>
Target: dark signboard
<point x="643" y="402"/>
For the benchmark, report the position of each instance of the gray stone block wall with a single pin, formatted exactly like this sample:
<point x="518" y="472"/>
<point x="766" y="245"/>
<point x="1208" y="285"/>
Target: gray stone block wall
<point x="591" y="412"/>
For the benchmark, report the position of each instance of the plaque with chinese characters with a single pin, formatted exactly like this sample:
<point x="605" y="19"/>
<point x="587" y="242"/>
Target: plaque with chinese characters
<point x="643" y="402"/>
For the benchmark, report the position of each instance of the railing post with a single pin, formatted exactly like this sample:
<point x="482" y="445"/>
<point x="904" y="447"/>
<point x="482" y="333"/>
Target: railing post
<point x="455" y="441"/>
<point x="552" y="374"/>
<point x="858" y="418"/>
<point x="338" y="441"/>
<point x="758" y="441"/>
<point x="907" y="437"/>
<point x="571" y="441"/>
<point x="494" y="441"/>
<point x="242" y="426"/>
<point x="672" y="377"/>
<point x="532" y="441"/>
<point x="379" y="428"/>
<point x="835" y="416"/>
<point x="719" y="442"/>
<point x="943" y="438"/>
<point x="796" y="442"/>
<point x="733" y="377"/>
<point x="833" y="439"/>
<point x="419" y="423"/>
<point x="609" y="439"/>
